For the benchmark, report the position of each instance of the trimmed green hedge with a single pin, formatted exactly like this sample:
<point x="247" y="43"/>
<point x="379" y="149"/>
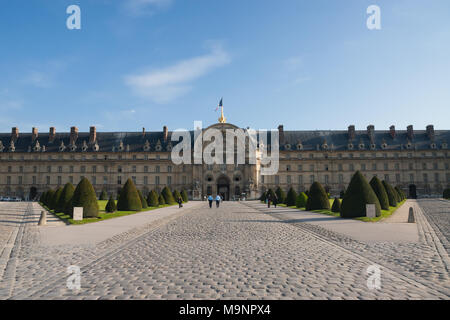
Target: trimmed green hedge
<point x="111" y="205"/>
<point x="317" y="198"/>
<point x="380" y="191"/>
<point x="143" y="201"/>
<point x="280" y="195"/>
<point x="336" y="207"/>
<point x="184" y="195"/>
<point x="291" y="197"/>
<point x="358" y="194"/>
<point x="301" y="200"/>
<point x="129" y="199"/>
<point x="84" y="196"/>
<point x="161" y="200"/>
<point x="152" y="199"/>
<point x="391" y="194"/>
<point x="168" y="196"/>
<point x="103" y="195"/>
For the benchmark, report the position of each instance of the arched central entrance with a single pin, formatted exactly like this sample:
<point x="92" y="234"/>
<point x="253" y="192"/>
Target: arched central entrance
<point x="223" y="187"/>
<point x="412" y="191"/>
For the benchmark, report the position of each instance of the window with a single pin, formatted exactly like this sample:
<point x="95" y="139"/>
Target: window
<point x="340" y="167"/>
<point x="300" y="179"/>
<point x="105" y="180"/>
<point x="374" y="166"/>
<point x="326" y="178"/>
<point x="288" y="168"/>
<point x="386" y="166"/>
<point x="71" y="179"/>
<point x="351" y="167"/>
<point x="21" y="169"/>
<point x="436" y="177"/>
<point x="169" y="180"/>
<point x="8" y="180"/>
<point x="105" y="168"/>
<point x="447" y="177"/>
<point x="363" y="166"/>
<point x="169" y="168"/>
<point x="157" y="180"/>
<point x="424" y="166"/>
<point x="397" y="166"/>
<point x="94" y="180"/>
<point x="119" y="180"/>
<point x="134" y="169"/>
<point x="9" y="169"/>
<point x="119" y="169"/>
<point x="83" y="169"/>
<point x="59" y="180"/>
<point x="397" y="178"/>
<point x="386" y="177"/>
<point x="48" y="180"/>
<point x="35" y="169"/>
<point x="134" y="179"/>
<point x="410" y="166"/>
<point x="184" y="179"/>
<point x="435" y="166"/>
<point x="300" y="167"/>
<point x="134" y="157"/>
<point x="60" y="169"/>
<point x="157" y="169"/>
<point x="19" y="180"/>
<point x="145" y="168"/>
<point x="94" y="169"/>
<point x="311" y="167"/>
<point x="71" y="169"/>
<point x="34" y="179"/>
<point x="311" y="178"/>
<point x="411" y="177"/>
<point x="277" y="180"/>
<point x="145" y="180"/>
<point x="341" y="178"/>
<point x="425" y="177"/>
<point x="288" y="179"/>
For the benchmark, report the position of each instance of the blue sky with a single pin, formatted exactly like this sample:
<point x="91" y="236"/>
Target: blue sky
<point x="148" y="63"/>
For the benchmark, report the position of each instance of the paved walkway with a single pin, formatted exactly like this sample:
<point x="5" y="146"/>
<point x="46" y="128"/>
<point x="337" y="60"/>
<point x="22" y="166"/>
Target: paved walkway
<point x="359" y="230"/>
<point x="92" y="233"/>
<point x="236" y="251"/>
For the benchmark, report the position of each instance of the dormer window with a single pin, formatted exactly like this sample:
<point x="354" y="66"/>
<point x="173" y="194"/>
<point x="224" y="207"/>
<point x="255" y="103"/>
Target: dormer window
<point x="350" y="146"/>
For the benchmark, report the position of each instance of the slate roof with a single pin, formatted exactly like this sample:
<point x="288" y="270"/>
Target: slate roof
<point x="293" y="140"/>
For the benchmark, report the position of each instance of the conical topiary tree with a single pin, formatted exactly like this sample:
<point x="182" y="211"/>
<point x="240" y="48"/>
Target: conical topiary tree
<point x="161" y="200"/>
<point x="129" y="199"/>
<point x="391" y="194"/>
<point x="55" y="199"/>
<point x="317" y="199"/>
<point x="152" y="199"/>
<point x="168" y="196"/>
<point x="84" y="196"/>
<point x="301" y="200"/>
<point x="280" y="195"/>
<point x="111" y="205"/>
<point x="336" y="207"/>
<point x="184" y="195"/>
<point x="263" y="196"/>
<point x="399" y="193"/>
<point x="380" y="191"/>
<point x="359" y="193"/>
<point x="49" y="197"/>
<point x="103" y="195"/>
<point x="291" y="197"/>
<point x="65" y="198"/>
<point x="176" y="195"/>
<point x="143" y="201"/>
<point x="42" y="198"/>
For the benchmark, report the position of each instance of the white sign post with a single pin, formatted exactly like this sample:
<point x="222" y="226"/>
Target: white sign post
<point x="370" y="211"/>
<point x="78" y="213"/>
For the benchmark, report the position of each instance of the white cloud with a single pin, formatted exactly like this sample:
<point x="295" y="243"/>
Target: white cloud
<point x="140" y="7"/>
<point x="39" y="79"/>
<point x="164" y="85"/>
<point x="293" y="63"/>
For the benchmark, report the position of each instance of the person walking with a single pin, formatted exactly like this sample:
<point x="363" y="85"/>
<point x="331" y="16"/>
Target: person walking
<point x="218" y="199"/>
<point x="275" y="201"/>
<point x="269" y="200"/>
<point x="210" y="200"/>
<point x="180" y="202"/>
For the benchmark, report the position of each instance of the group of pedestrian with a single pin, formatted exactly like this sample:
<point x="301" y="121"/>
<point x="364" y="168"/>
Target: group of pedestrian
<point x="272" y="200"/>
<point x="218" y="199"/>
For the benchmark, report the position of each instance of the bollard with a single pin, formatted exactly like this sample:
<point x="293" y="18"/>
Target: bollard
<point x="43" y="218"/>
<point x="411" y="215"/>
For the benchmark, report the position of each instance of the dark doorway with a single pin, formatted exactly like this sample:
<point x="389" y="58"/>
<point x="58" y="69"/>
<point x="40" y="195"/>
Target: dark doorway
<point x="223" y="188"/>
<point x="33" y="193"/>
<point x="412" y="191"/>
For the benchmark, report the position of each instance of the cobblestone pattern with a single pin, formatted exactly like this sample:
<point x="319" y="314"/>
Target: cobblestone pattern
<point x="231" y="252"/>
<point x="437" y="213"/>
<point x="417" y="261"/>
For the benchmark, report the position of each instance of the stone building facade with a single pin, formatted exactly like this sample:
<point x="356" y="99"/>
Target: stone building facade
<point x="30" y="163"/>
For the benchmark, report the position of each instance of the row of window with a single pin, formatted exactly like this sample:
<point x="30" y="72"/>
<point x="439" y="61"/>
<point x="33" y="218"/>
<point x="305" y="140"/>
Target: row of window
<point x="363" y="155"/>
<point x="93" y="169"/>
<point x="119" y="180"/>
<point x="288" y="179"/>
<point x="84" y="157"/>
<point x="374" y="166"/>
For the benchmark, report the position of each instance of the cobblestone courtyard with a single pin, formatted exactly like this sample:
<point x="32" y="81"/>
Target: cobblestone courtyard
<point x="239" y="251"/>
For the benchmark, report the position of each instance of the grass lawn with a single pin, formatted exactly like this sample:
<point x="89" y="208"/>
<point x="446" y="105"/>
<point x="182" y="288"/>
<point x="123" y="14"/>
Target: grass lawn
<point x="102" y="214"/>
<point x="384" y="213"/>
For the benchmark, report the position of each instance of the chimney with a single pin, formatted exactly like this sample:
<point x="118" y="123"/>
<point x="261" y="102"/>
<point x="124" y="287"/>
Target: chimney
<point x="51" y="134"/>
<point x="370" y="131"/>
<point x="165" y="133"/>
<point x="430" y="132"/>
<point x="143" y="132"/>
<point x="14" y="134"/>
<point x="410" y="132"/>
<point x="92" y="134"/>
<point x="351" y="132"/>
<point x="73" y="135"/>
<point x="34" y="134"/>
<point x="281" y="133"/>
<point x="392" y="131"/>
